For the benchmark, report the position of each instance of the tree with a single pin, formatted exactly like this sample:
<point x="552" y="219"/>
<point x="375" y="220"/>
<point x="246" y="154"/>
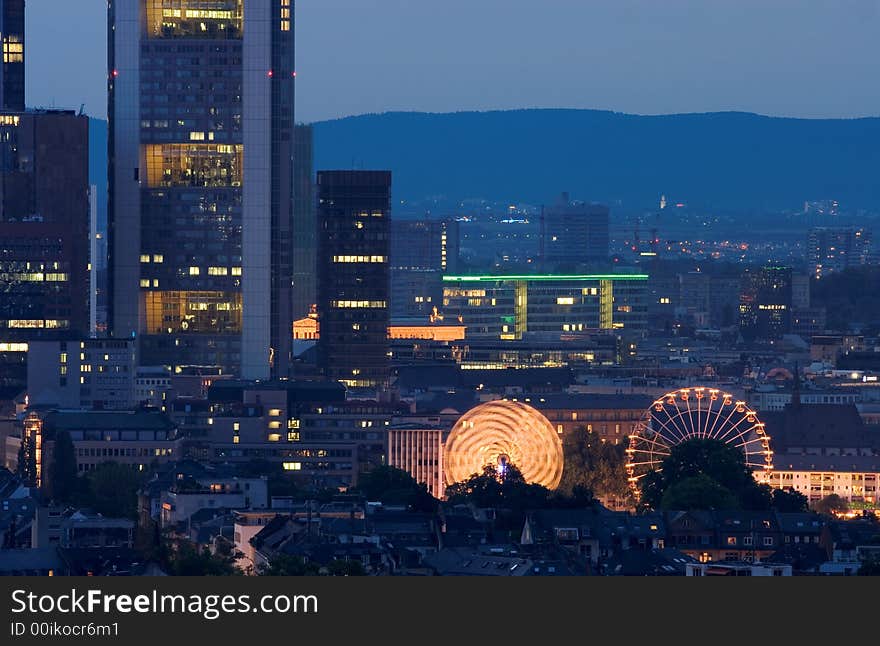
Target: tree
<point x="507" y="490"/>
<point x="698" y="492"/>
<point x="113" y="490"/>
<point x="63" y="484"/>
<point x="288" y="565"/>
<point x="27" y="462"/>
<point x="869" y="567"/>
<point x="830" y="504"/>
<point x="593" y="465"/>
<point x="789" y="501"/>
<point x="394" y="486"/>
<point x="187" y="560"/>
<point x="722" y="463"/>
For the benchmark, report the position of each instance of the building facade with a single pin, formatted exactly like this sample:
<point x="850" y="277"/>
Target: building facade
<point x="574" y="233"/>
<point x="854" y="478"/>
<point x="201" y="147"/>
<point x="509" y="307"/>
<point x="354" y="209"/>
<point x="421" y="252"/>
<point x="44" y="225"/>
<point x="835" y="249"/>
<point x="766" y="303"/>
<point x="305" y="225"/>
<point x="12" y="70"/>
<point x="89" y="373"/>
<point x="418" y="450"/>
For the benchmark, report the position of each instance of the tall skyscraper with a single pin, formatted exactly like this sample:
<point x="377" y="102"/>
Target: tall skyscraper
<point x="574" y="233"/>
<point x="305" y="225"/>
<point x="766" y="303"/>
<point x="354" y="208"/>
<point x="201" y="105"/>
<point x="44" y="225"/>
<point x="12" y="69"/>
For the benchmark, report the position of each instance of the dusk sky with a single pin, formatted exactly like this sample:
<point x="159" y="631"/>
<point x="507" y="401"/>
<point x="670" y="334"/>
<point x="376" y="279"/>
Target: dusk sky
<point x="808" y="58"/>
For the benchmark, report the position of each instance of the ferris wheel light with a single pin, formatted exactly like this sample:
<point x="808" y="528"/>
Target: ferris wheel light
<point x="671" y="420"/>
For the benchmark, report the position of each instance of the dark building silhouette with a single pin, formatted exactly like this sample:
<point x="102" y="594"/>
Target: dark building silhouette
<point x="305" y="226"/>
<point x="12" y="69"/>
<point x="574" y="233"/>
<point x="421" y="252"/>
<point x="44" y="225"/>
<point x="765" y="303"/>
<point x="354" y="209"/>
<point x="201" y="175"/>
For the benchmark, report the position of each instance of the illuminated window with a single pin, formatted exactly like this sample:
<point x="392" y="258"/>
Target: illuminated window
<point x="665" y="301"/>
<point x="274" y="437"/>
<point x="236" y="439"/>
<point x="274" y="425"/>
<point x="218" y="271"/>
<point x="145" y="257"/>
<point x="565" y="300"/>
<point x="275" y="412"/>
<point x="292" y="466"/>
<point x="13" y="50"/>
<point x="158" y="257"/>
<point x="193" y="271"/>
<point x="197" y="136"/>
<point x="236" y="426"/>
<point x="236" y="271"/>
<point x="193" y="165"/>
<point x="359" y="304"/>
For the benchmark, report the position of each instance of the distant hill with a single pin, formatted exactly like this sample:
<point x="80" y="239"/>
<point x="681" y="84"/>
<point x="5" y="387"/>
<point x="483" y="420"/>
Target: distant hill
<point x="731" y="159"/>
<point x="728" y="159"/>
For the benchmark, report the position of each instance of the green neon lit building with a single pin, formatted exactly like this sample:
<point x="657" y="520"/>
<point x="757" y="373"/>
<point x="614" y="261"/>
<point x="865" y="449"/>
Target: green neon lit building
<point x="510" y="307"/>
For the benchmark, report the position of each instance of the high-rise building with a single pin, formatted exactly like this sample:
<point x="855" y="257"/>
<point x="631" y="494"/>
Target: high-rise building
<point x="44" y="225"/>
<point x="354" y="209"/>
<point x="201" y="147"/>
<point x="834" y="249"/>
<point x="12" y="69"/>
<point x="766" y="303"/>
<point x="574" y="233"/>
<point x="305" y="226"/>
<point x="421" y="252"/>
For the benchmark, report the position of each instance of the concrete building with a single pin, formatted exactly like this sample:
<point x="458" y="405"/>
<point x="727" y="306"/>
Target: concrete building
<point x="89" y="373"/>
<point x="138" y="439"/>
<point x="855" y="478"/>
<point x="418" y="451"/>
<point x="612" y="417"/>
<point x="835" y="249"/>
<point x="201" y="150"/>
<point x="182" y="500"/>
<point x="574" y="233"/>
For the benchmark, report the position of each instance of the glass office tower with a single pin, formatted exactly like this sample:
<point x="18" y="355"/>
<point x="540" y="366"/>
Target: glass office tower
<point x="201" y="105"/>
<point x="12" y="69"/>
<point x="354" y="210"/>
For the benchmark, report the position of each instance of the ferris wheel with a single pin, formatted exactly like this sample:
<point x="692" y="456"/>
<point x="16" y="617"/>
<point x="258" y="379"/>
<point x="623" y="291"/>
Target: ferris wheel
<point x="696" y="413"/>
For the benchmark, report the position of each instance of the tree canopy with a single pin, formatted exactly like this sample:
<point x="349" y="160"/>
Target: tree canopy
<point x="394" y="486"/>
<point x="593" y="465"/>
<point x="706" y="474"/>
